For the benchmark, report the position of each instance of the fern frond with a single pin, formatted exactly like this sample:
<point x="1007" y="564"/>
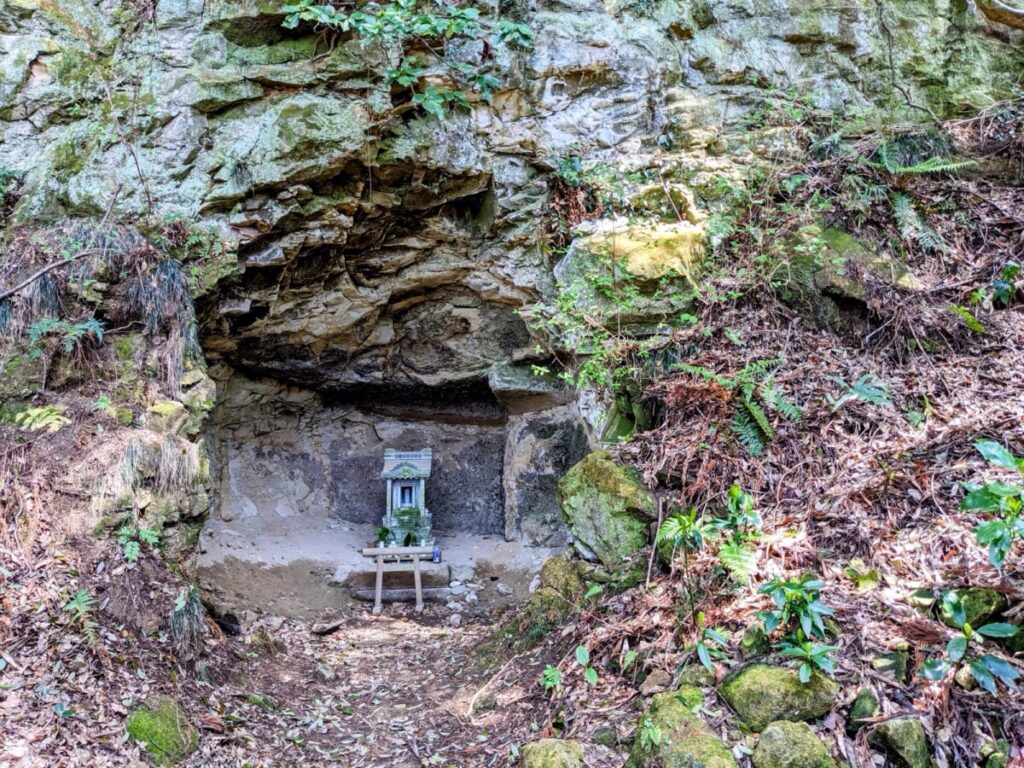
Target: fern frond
<point x="739" y="559"/>
<point x="772" y="396"/>
<point x="934" y="165"/>
<point x="759" y="417"/>
<point x="704" y="373"/>
<point x="747" y="432"/>
<point x="913" y="226"/>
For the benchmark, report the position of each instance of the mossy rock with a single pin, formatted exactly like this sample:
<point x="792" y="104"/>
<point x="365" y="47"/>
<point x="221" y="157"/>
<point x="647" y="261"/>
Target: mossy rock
<point x="167" y="416"/>
<point x="979" y="605"/>
<point x="864" y="705"/>
<point x="608" y="509"/>
<point x="164" y="730"/>
<point x="551" y="753"/>
<point x="560" y="574"/>
<point x="561" y="591"/>
<point x="904" y="740"/>
<point x="683" y="739"/>
<point x="790" y="745"/>
<point x="762" y="694"/>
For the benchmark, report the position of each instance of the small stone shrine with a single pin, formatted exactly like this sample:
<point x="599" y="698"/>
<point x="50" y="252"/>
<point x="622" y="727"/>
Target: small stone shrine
<point x="407" y="520"/>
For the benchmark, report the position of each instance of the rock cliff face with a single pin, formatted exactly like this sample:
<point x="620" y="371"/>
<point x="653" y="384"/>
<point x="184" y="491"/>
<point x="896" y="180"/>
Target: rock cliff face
<point x="380" y="266"/>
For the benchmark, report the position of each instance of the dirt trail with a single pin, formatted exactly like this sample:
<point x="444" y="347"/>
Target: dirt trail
<point x="392" y="690"/>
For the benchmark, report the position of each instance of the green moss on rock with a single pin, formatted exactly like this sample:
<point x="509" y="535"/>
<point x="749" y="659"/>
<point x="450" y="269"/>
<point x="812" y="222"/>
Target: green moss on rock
<point x="979" y="605"/>
<point x="863" y="706"/>
<point x="164" y="729"/>
<point x="790" y="745"/>
<point x="608" y="509"/>
<point x="167" y="416"/>
<point x="904" y="741"/>
<point x="551" y="753"/>
<point x="762" y="694"/>
<point x="683" y="738"/>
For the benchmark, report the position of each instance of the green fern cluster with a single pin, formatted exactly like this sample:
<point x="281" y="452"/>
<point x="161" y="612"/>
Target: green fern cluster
<point x="913" y="226"/>
<point x="755" y="393"/>
<point x="48" y="417"/>
<point x="890" y="160"/>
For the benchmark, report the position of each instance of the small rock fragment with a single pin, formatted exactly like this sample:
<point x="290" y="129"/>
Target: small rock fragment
<point x="656" y="682"/>
<point x="455" y="619"/>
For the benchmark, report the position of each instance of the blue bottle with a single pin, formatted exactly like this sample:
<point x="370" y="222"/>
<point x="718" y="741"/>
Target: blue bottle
<point x="436" y="557"/>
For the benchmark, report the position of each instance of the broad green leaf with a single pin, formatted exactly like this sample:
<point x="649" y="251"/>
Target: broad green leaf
<point x="805" y="672"/>
<point x="704" y="656"/>
<point x="582" y="655"/>
<point x="933" y="669"/>
<point x="1003" y="669"/>
<point x="590" y="675"/>
<point x="983" y="676"/>
<point x="998" y="629"/>
<point x="956" y="648"/>
<point x="996" y="454"/>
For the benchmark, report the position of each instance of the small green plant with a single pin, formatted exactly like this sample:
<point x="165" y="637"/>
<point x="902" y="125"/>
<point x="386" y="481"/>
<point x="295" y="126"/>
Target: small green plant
<point x="80" y="607"/>
<point x="972" y="323"/>
<point x="514" y="33"/>
<point x="685" y="533"/>
<point x="551" y="678"/>
<point x="188" y="623"/>
<point x="1002" y="500"/>
<point x="649" y="734"/>
<point x="1004" y="287"/>
<point x="797" y="606"/>
<point x="583" y="659"/>
<point x="868" y="389"/>
<point x="986" y="668"/>
<point x="811" y="656"/>
<point x="131" y="538"/>
<point x="741" y="527"/>
<point x="710" y="645"/>
<point x="383" y="532"/>
<point x="434" y="27"/>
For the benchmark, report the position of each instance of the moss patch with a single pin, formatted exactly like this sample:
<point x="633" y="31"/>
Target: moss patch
<point x="790" y="745"/>
<point x="607" y="508"/>
<point x="904" y="740"/>
<point x="681" y="737"/>
<point x="164" y="729"/>
<point x="551" y="753"/>
<point x="762" y="694"/>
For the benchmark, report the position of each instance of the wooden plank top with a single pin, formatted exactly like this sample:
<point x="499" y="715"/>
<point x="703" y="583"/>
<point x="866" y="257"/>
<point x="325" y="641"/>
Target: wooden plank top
<point x="397" y="551"/>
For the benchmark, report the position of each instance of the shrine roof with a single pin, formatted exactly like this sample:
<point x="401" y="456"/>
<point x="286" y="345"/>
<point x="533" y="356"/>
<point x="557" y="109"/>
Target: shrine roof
<point x="406" y="465"/>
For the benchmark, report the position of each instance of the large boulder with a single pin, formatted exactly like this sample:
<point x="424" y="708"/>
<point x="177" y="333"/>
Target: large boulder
<point x="608" y="509"/>
<point x="670" y="735"/>
<point x="164" y="730"/>
<point x="904" y="740"/>
<point x="790" y="745"/>
<point x="762" y="694"/>
<point x="551" y="753"/>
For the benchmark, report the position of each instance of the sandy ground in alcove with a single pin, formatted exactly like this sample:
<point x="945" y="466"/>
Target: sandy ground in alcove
<point x="299" y="568"/>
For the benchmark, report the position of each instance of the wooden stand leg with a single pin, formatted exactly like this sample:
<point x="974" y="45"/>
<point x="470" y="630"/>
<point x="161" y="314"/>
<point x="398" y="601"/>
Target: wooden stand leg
<point x="380" y="584"/>
<point x="419" y="586"/>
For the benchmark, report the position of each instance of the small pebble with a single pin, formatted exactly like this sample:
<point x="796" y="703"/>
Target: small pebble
<point x="503" y="589"/>
<point x="471" y="597"/>
<point x="458" y="589"/>
<point x="455" y="619"/>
